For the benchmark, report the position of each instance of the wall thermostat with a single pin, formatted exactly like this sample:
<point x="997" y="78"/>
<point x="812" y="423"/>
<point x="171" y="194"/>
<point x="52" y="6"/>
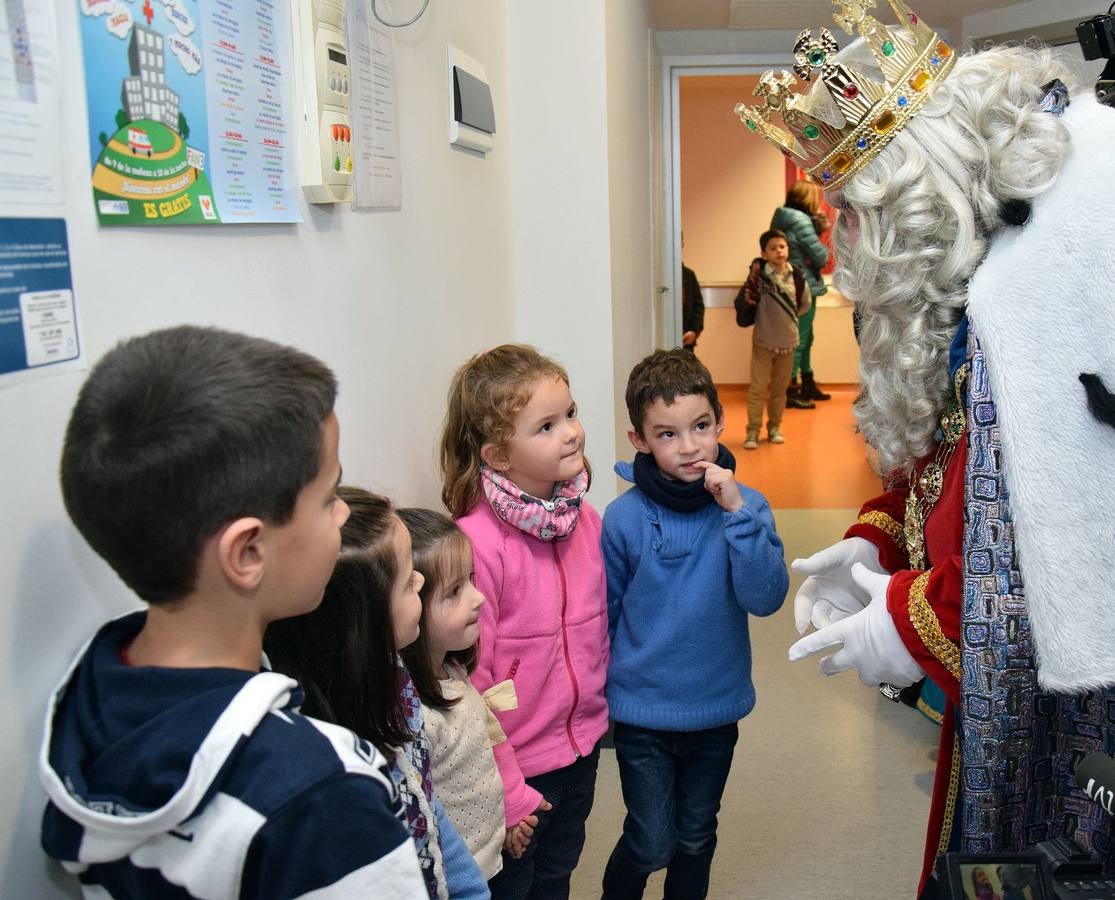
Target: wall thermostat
<point x="472" y="120"/>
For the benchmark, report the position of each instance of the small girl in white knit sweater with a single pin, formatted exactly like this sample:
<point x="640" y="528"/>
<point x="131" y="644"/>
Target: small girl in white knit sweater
<point x="458" y="722"/>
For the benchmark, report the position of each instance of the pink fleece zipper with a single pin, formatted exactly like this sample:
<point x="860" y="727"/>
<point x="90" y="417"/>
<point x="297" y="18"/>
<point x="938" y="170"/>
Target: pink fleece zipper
<point x="568" y="661"/>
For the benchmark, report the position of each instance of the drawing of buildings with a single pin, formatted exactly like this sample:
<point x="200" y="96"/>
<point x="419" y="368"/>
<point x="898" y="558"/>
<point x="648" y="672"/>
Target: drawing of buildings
<point x="144" y="93"/>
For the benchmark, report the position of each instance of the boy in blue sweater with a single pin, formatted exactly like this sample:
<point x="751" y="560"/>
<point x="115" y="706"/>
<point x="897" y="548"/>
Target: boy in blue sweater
<point x="202" y="465"/>
<point x="689" y="554"/>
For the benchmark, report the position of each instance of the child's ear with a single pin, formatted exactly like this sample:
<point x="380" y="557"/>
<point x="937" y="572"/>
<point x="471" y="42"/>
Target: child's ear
<point x="637" y="441"/>
<point x="494" y="456"/>
<point x="720" y="425"/>
<point x="240" y="553"/>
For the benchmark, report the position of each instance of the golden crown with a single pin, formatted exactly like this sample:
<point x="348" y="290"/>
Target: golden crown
<point x="849" y="115"/>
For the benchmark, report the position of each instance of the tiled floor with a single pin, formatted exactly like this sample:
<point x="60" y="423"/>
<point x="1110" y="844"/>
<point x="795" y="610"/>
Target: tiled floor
<point x="822" y="465"/>
<point x="829" y="792"/>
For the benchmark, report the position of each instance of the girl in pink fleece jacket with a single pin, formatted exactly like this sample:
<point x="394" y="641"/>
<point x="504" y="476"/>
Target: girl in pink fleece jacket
<point x="512" y="456"/>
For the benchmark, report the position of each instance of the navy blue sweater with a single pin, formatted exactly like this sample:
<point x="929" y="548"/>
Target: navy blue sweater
<point x="680" y="588"/>
<point x="178" y="783"/>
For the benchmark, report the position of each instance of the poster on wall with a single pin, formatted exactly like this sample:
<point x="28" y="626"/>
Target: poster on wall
<point x="38" y="319"/>
<point x="30" y="109"/>
<point x="375" y="111"/>
<point x="188" y="111"/>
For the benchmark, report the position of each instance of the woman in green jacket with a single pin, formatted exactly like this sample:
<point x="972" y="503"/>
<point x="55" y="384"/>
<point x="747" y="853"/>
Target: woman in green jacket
<point x="802" y="220"/>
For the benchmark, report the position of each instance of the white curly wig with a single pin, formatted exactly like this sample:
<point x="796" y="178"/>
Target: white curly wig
<point x="915" y="224"/>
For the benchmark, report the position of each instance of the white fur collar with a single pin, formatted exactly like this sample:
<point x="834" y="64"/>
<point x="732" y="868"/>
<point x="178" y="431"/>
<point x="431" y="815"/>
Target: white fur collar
<point x="1043" y="306"/>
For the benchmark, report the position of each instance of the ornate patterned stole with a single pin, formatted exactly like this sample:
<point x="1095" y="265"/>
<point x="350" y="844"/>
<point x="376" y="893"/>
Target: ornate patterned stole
<point x="1019" y="745"/>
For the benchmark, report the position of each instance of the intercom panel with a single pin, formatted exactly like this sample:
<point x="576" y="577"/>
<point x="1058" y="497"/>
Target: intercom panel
<point x="324" y="85"/>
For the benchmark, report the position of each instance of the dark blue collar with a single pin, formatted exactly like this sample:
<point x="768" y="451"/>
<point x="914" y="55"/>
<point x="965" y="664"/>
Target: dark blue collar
<point x="958" y="350"/>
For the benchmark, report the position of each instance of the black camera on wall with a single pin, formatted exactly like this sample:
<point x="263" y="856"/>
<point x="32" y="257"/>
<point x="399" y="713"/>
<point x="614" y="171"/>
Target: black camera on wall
<point x="1097" y="37"/>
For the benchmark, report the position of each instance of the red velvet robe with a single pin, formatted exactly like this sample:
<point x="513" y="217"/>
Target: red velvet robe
<point x="925" y="606"/>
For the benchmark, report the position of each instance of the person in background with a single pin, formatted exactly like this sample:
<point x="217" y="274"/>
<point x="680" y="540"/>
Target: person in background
<point x="692" y="308"/>
<point x="692" y="305"/>
<point x="803" y="221"/>
<point x="778" y="294"/>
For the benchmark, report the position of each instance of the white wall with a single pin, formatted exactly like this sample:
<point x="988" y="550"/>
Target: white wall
<point x="731" y="180"/>
<point x="1036" y="14"/>
<point x="393" y="301"/>
<point x="1032" y="14"/>
<point x="729" y="42"/>
<point x="560" y="220"/>
<point x="580" y="223"/>
<point x="725" y="348"/>
<point x="659" y="226"/>
<point x="736" y="42"/>
<point x="630" y="52"/>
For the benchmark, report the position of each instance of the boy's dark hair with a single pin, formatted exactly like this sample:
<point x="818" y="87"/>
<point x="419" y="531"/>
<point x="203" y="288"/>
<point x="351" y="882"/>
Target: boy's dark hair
<point x="667" y="375"/>
<point x="343" y="653"/>
<point x="435" y="541"/>
<point x="767" y="236"/>
<point x="180" y="431"/>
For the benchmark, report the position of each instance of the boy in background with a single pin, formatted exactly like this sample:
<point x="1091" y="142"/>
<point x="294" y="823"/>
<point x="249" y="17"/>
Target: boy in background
<point x="780" y="295"/>
<point x="202" y="466"/>
<point x="689" y="554"/>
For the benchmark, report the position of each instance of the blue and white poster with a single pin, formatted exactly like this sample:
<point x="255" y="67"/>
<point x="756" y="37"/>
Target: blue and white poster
<point x="38" y="319"/>
<point x="187" y="108"/>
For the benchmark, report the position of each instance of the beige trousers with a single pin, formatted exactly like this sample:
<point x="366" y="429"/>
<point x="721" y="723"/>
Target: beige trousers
<point x="768" y="369"/>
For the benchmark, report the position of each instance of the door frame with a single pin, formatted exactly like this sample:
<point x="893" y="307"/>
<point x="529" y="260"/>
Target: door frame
<point x="673" y="68"/>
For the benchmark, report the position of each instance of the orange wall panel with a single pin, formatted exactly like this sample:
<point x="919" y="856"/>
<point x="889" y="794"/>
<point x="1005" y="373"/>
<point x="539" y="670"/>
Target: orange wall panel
<point x="731" y="181"/>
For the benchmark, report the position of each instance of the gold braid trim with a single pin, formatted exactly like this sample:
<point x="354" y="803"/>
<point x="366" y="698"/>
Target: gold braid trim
<point x="926" y="710"/>
<point x="883" y="522"/>
<point x="950" y="798"/>
<point x="929" y="629"/>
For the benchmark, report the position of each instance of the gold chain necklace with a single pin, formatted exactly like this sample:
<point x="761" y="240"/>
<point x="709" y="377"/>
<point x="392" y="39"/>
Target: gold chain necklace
<point x="932" y="479"/>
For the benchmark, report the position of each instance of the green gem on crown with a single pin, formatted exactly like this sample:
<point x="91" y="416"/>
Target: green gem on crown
<point x="750" y="124"/>
<point x="812" y="132"/>
<point x="817" y="58"/>
<point x="888" y="48"/>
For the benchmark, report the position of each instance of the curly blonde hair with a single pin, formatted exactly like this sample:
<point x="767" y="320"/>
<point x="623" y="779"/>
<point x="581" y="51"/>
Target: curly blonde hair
<point x="485" y="395"/>
<point x="925" y="209"/>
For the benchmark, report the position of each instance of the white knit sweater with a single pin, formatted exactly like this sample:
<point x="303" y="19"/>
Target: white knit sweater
<point x="464" y="770"/>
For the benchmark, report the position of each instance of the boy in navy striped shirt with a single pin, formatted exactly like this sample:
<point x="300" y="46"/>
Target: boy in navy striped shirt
<point x="202" y="465"/>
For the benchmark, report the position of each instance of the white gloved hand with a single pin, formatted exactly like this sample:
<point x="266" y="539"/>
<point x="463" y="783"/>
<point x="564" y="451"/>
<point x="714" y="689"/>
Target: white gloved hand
<point x="871" y="643"/>
<point x="830" y="594"/>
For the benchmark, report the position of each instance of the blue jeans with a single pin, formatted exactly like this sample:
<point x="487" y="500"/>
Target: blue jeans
<point x="672" y="783"/>
<point x="543" y="871"/>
